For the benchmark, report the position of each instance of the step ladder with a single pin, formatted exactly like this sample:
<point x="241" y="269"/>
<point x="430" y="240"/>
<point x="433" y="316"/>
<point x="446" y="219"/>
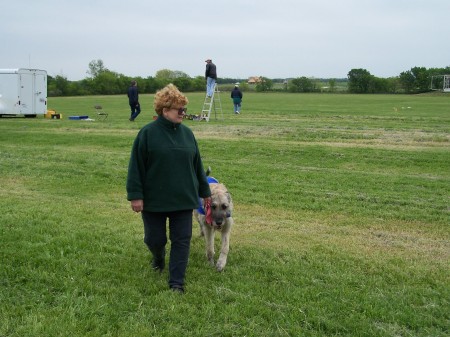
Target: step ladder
<point x="211" y="103"/>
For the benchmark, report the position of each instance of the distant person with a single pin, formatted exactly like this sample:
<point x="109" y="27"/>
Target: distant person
<point x="165" y="180"/>
<point x="210" y="76"/>
<point x="236" y="95"/>
<point x="133" y="99"/>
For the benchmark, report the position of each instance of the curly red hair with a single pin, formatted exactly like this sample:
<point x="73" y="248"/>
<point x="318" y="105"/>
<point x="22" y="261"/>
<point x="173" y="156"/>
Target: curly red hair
<point x="168" y="97"/>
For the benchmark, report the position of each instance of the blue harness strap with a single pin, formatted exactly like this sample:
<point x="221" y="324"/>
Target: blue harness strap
<point x="210" y="180"/>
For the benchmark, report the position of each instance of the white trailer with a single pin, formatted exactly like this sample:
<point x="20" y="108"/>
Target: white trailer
<point x="23" y="92"/>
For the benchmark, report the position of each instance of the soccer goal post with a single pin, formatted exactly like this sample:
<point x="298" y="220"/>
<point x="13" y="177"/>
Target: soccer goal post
<point x="446" y="86"/>
<point x="440" y="82"/>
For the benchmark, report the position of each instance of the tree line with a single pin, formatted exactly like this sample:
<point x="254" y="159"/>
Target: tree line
<point x="415" y="80"/>
<point x="102" y="81"/>
<point x="361" y="81"/>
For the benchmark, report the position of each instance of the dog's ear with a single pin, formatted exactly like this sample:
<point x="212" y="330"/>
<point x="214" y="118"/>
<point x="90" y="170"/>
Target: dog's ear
<point x="228" y="196"/>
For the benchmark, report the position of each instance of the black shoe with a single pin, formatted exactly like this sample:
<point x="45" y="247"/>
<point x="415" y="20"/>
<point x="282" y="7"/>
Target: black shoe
<point x="177" y="289"/>
<point x="158" y="265"/>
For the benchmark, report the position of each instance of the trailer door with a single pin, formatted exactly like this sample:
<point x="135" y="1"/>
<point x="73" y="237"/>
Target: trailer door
<point x="26" y="96"/>
<point x="9" y="94"/>
<point x="40" y="93"/>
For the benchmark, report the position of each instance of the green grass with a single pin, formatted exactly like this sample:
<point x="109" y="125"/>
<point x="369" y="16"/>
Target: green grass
<point x="341" y="221"/>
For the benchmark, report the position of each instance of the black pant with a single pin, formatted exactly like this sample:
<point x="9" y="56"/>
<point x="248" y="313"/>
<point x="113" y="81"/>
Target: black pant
<point x="180" y="234"/>
<point x="135" y="110"/>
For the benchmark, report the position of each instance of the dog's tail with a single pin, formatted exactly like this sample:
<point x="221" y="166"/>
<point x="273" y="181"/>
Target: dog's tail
<point x="208" y="171"/>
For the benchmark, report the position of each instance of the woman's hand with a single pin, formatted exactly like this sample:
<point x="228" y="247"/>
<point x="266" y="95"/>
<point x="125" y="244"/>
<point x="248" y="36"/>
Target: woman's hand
<point x="137" y="205"/>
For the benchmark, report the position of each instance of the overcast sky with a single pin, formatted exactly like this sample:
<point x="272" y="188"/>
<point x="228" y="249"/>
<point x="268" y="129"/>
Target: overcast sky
<point x="275" y="39"/>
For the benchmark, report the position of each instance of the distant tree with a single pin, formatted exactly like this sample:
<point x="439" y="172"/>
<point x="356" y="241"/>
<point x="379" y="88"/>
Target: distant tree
<point x="165" y="74"/>
<point x="332" y="84"/>
<point x="393" y="84"/>
<point x="51" y="86"/>
<point x="179" y="74"/>
<point x="359" y="81"/>
<point x="182" y="83"/>
<point x="170" y="75"/>
<point x="407" y="81"/>
<point x="421" y="78"/>
<point x="177" y="77"/>
<point x="96" y="67"/>
<point x="378" y="85"/>
<point x="301" y="84"/>
<point x="415" y="80"/>
<point x="108" y="83"/>
<point x="264" y="85"/>
<point x="243" y="86"/>
<point x="198" y="83"/>
<point x="81" y="88"/>
<point x="149" y="85"/>
<point x="61" y="86"/>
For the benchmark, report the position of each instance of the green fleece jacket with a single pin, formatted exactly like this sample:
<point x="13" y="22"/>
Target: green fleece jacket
<point x="165" y="168"/>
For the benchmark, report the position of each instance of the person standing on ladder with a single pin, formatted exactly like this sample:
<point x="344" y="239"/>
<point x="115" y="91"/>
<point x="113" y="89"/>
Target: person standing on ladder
<point x="211" y="77"/>
<point x="236" y="95"/>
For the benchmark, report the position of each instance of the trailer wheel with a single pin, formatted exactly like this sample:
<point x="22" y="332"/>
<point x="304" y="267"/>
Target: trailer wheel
<point x="30" y="116"/>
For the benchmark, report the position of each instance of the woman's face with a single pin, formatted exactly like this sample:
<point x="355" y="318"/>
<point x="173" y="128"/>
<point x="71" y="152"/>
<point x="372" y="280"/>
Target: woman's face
<point x="175" y="114"/>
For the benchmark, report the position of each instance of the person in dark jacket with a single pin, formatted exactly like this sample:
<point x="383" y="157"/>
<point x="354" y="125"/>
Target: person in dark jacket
<point x="210" y="76"/>
<point x="236" y="95"/>
<point x="165" y="180"/>
<point x="133" y="99"/>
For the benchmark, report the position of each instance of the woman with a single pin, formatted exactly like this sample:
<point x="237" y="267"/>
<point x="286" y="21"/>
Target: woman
<point x="165" y="180"/>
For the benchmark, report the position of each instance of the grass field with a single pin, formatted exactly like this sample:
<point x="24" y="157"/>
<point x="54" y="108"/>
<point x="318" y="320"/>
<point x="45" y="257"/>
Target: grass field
<point x="341" y="221"/>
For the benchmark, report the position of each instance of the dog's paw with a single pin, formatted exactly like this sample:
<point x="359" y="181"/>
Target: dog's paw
<point x="210" y="258"/>
<point x="220" y="266"/>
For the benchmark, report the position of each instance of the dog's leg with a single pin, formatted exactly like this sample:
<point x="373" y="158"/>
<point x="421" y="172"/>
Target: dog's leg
<point x="209" y="240"/>
<point x="201" y="220"/>
<point x="222" y="261"/>
<point x="202" y="229"/>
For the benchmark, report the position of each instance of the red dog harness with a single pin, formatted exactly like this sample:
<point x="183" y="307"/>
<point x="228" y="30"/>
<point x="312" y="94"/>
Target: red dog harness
<point x="206" y="210"/>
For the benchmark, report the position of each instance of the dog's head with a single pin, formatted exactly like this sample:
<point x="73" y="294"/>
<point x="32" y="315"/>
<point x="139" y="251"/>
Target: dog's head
<point x="221" y="205"/>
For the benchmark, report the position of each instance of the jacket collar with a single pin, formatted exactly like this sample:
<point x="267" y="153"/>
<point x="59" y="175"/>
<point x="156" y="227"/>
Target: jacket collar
<point x="166" y="123"/>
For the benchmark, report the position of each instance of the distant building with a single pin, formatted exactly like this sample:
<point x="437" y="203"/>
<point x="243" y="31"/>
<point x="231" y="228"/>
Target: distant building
<point x="254" y="80"/>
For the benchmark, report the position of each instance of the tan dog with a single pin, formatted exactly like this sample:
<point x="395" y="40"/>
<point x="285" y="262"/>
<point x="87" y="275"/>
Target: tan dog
<point x="221" y="210"/>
